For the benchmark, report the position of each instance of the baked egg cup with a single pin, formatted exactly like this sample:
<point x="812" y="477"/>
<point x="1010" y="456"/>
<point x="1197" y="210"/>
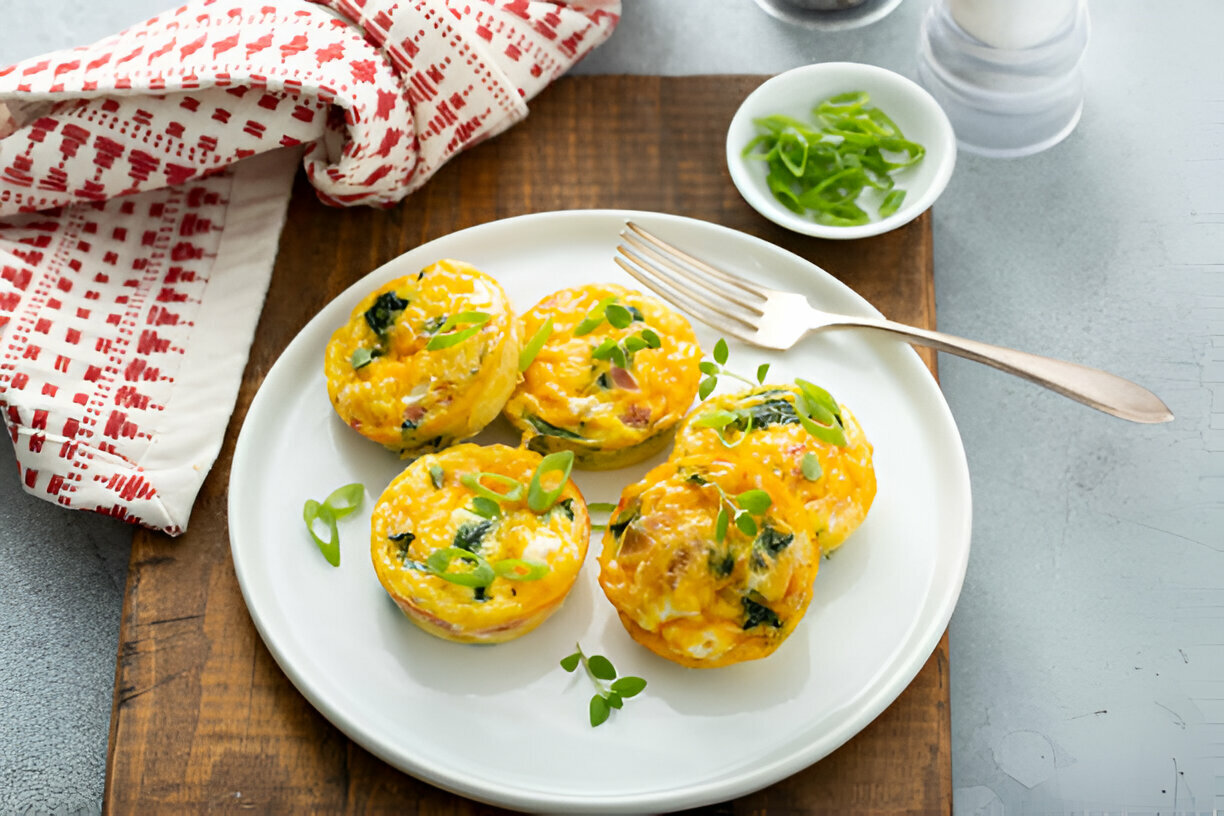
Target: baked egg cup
<point x="614" y="377"/>
<point x="425" y="360"/>
<point x="431" y="542"/>
<point x="837" y="491"/>
<point x="699" y="591"/>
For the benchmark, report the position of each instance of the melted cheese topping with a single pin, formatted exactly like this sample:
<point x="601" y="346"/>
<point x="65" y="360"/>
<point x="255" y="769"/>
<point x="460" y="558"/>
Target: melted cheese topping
<point x="838" y="500"/>
<point x="686" y="595"/>
<point x="413" y="518"/>
<point x="608" y="415"/>
<point x="410" y="398"/>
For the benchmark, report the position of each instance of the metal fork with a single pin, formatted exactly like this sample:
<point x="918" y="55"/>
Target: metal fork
<point x="777" y="320"/>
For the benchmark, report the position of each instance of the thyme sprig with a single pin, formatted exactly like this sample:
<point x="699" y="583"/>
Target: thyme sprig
<point x="715" y="369"/>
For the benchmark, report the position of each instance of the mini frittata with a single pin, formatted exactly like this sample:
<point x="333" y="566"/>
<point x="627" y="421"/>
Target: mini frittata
<point x="614" y="377"/>
<point x="425" y="360"/>
<point x="469" y="568"/>
<point x="696" y="577"/>
<point x="836" y="483"/>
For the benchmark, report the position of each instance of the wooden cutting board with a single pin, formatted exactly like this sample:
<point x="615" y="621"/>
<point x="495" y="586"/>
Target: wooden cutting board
<point x="204" y="719"/>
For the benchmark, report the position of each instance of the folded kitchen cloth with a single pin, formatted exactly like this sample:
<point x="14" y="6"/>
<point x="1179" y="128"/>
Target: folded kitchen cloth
<point x="137" y="237"/>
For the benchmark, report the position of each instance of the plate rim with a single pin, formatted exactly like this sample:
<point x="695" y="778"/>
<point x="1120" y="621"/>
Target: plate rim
<point x="913" y="651"/>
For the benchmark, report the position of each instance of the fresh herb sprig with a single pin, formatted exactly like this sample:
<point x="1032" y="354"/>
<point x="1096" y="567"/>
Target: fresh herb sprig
<point x="339" y="503"/>
<point x="621" y="353"/>
<point x="610" y="691"/>
<point x="532" y="348"/>
<point x="607" y="309"/>
<point x="714" y="370"/>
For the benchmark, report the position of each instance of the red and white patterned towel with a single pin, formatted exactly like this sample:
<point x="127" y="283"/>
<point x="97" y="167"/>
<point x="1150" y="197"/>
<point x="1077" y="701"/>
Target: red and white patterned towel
<point x="137" y="237"/>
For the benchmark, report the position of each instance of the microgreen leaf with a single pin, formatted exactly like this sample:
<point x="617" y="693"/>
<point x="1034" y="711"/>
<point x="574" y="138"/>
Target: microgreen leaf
<point x="720" y="525"/>
<point x="762" y="370"/>
<point x="721" y="351"/>
<point x="532" y="348"/>
<point x="629" y="686"/>
<point x="707" y="387"/>
<point x="811" y="467"/>
<point x="706" y="367"/>
<point x="599" y="710"/>
<point x="746" y="525"/>
<point x="754" y="501"/>
<point x="601" y="667"/>
<point x="618" y="315"/>
<point x="652" y="339"/>
<point x="608" y="696"/>
<point x="604" y="350"/>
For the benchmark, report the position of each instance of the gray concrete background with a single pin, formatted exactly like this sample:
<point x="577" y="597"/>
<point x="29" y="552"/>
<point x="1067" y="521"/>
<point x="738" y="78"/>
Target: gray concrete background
<point x="1087" y="661"/>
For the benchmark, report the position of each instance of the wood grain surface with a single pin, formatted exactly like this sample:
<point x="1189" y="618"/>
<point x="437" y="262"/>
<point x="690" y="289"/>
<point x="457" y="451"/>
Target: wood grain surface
<point x="203" y="719"/>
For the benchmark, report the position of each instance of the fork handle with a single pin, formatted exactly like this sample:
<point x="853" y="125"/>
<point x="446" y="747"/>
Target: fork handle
<point x="1091" y="386"/>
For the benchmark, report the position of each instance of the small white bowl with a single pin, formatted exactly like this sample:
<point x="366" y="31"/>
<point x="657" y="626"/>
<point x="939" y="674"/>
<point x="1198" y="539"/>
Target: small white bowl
<point x="796" y="92"/>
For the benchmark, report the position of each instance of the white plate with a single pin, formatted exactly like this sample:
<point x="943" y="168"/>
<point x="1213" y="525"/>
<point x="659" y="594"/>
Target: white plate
<point x="505" y="724"/>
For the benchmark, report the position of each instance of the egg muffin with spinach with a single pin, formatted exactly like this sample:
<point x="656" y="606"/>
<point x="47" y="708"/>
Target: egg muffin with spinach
<point x="425" y="360"/>
<point x="613" y="372"/>
<point x="813" y="444"/>
<point x="708" y="562"/>
<point x="480" y="544"/>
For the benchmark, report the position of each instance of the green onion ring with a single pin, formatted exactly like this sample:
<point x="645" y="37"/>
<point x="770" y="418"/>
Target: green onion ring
<point x="517" y="569"/>
<point x="330" y="548"/>
<point x="481" y="574"/>
<point x="475" y="483"/>
<point x="539" y="499"/>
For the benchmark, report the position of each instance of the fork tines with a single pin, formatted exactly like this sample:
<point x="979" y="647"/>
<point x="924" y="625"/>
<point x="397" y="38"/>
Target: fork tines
<point x="711" y="295"/>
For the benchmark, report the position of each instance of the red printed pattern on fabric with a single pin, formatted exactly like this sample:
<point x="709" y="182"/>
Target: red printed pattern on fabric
<point x="114" y="188"/>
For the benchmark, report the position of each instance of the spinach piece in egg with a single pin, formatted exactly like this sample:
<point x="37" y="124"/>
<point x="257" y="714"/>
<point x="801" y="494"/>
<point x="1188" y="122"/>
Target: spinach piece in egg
<point x="618" y="526"/>
<point x="381" y="316"/>
<point x="722" y="563"/>
<point x="758" y="614"/>
<point x="470" y="534"/>
<point x="548" y="429"/>
<point x="772" y="541"/>
<point x="565" y="506"/>
<point x="404" y="540"/>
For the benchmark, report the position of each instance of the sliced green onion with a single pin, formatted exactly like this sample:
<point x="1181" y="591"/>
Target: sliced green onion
<point x="442" y="339"/>
<point x="475" y="483"/>
<point x="538" y="498"/>
<point x="437" y="475"/>
<point x="528" y="354"/>
<point x="312" y="511"/>
<point x="485" y="508"/>
<point x="604" y="350"/>
<point x="829" y="431"/>
<point x="344" y="500"/>
<point x="892" y="202"/>
<point x="820" y="169"/>
<point x="594" y="317"/>
<point x="516" y="569"/>
<point x="811" y="467"/>
<point x="363" y="356"/>
<point x="716" y="419"/>
<point x="480" y="575"/>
